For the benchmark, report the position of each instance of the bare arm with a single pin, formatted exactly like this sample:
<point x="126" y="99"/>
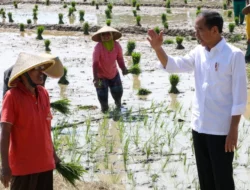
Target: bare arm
<point x="232" y="137"/>
<point x="156" y="41"/>
<point x="4" y="145"/>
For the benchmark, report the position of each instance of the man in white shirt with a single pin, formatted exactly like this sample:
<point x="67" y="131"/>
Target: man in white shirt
<point x="219" y="101"/>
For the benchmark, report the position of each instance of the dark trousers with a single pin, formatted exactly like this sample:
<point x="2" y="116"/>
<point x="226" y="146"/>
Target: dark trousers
<point x="116" y="90"/>
<point x="38" y="181"/>
<point x="214" y="165"/>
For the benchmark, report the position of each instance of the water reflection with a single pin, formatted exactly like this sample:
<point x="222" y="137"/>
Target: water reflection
<point x="174" y="104"/>
<point x="22" y="34"/>
<point x="72" y="19"/>
<point x="63" y="88"/>
<point x="136" y="82"/>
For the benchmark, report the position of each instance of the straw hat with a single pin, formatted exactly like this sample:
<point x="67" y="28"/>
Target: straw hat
<point x="97" y="36"/>
<point x="246" y="9"/>
<point x="55" y="71"/>
<point x="26" y="61"/>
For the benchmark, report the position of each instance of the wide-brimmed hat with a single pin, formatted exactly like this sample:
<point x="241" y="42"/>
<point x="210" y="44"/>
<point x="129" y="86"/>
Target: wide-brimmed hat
<point x="97" y="36"/>
<point x="246" y="9"/>
<point x="26" y="61"/>
<point x="55" y="71"/>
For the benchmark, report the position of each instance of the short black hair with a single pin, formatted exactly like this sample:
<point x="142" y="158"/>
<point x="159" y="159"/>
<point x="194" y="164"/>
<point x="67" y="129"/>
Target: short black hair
<point x="212" y="18"/>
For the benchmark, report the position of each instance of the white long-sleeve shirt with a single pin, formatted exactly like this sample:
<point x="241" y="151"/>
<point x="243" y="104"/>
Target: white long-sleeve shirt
<point x="220" y="85"/>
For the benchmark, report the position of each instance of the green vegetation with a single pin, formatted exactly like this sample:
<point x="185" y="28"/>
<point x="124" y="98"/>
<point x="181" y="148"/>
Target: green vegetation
<point x="236" y="20"/>
<point x="47" y="44"/>
<point x="235" y="38"/>
<point x="165" y="25"/>
<point x="134" y="2"/>
<point x="163" y="18"/>
<point x="179" y="41"/>
<point x="73" y="5"/>
<point x="134" y="13"/>
<point x="15" y="4"/>
<point x="21" y="27"/>
<point x="168" y="41"/>
<point x="47" y="2"/>
<point x="97" y="6"/>
<point x="174" y="80"/>
<point x="229" y="13"/>
<point x="63" y="80"/>
<point x="3" y="14"/>
<point x="130" y="47"/>
<point x="28" y="21"/>
<point x="65" y="5"/>
<point x="138" y="20"/>
<point x="138" y="7"/>
<point x="71" y="11"/>
<point x="157" y="29"/>
<point x="60" y="16"/>
<point x="61" y="106"/>
<point x="108" y="22"/>
<point x="81" y="15"/>
<point x="39" y="31"/>
<point x="10" y="17"/>
<point x="231" y="27"/>
<point x="86" y="28"/>
<point x="225" y="6"/>
<point x="108" y="14"/>
<point x="136" y="57"/>
<point x="168" y="4"/>
<point x="143" y="91"/>
<point x="110" y="7"/>
<point x="135" y="69"/>
<point x="35" y="15"/>
<point x="93" y="3"/>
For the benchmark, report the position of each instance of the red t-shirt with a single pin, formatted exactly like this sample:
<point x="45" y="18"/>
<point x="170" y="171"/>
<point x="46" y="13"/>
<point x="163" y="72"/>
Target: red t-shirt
<point x="31" y="147"/>
<point x="105" y="61"/>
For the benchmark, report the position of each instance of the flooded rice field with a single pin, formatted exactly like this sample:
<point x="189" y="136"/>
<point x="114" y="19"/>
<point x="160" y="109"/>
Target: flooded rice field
<point x="148" y="145"/>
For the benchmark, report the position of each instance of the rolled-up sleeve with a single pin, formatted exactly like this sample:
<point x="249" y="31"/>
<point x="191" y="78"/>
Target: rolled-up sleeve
<point x="180" y="64"/>
<point x="239" y="84"/>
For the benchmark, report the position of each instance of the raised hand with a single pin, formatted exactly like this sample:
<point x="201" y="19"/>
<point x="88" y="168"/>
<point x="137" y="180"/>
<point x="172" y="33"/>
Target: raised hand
<point x="155" y="39"/>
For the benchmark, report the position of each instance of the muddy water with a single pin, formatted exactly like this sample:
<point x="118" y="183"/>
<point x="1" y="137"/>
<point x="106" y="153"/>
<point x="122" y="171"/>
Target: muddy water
<point x="75" y="51"/>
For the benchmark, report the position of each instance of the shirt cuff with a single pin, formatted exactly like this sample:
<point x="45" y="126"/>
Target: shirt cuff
<point x="238" y="109"/>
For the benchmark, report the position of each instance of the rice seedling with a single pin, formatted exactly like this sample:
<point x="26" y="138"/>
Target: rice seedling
<point x="71" y="11"/>
<point x="21" y="27"/>
<point x="136" y="57"/>
<point x="179" y="41"/>
<point x="70" y="171"/>
<point x="134" y="13"/>
<point x="36" y="7"/>
<point x="168" y="5"/>
<point x="157" y="29"/>
<point x="108" y="22"/>
<point x="163" y="18"/>
<point x="135" y="69"/>
<point x="236" y="20"/>
<point x="185" y="1"/>
<point x="28" y="21"/>
<point x="73" y="5"/>
<point x="137" y="136"/>
<point x="106" y="160"/>
<point x="3" y="14"/>
<point x="81" y="15"/>
<point x="138" y="20"/>
<point x="108" y="14"/>
<point x="231" y="27"/>
<point x="154" y="177"/>
<point x="111" y="145"/>
<point x="61" y="106"/>
<point x="47" y="44"/>
<point x="225" y="6"/>
<point x="86" y="28"/>
<point x="60" y="16"/>
<point x="229" y="13"/>
<point x="121" y="129"/>
<point x="169" y="11"/>
<point x="15" y="4"/>
<point x="110" y="7"/>
<point x="147" y="149"/>
<point x="138" y="7"/>
<point x="125" y="153"/>
<point x="198" y="12"/>
<point x="173" y="172"/>
<point x="168" y="41"/>
<point x="47" y="2"/>
<point x="10" y="17"/>
<point x="65" y="5"/>
<point x="63" y="80"/>
<point x="143" y="91"/>
<point x="134" y="2"/>
<point x="97" y="6"/>
<point x="93" y="3"/>
<point x="130" y="47"/>
<point x="35" y="15"/>
<point x="165" y="25"/>
<point x="39" y="31"/>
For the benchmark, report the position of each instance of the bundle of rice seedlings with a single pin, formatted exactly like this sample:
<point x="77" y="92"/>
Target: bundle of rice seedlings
<point x="61" y="106"/>
<point x="63" y="80"/>
<point x="70" y="172"/>
<point x="174" y="80"/>
<point x="135" y="69"/>
<point x="143" y="91"/>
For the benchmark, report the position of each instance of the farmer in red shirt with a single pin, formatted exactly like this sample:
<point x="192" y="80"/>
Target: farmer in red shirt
<point x="27" y="154"/>
<point x="107" y="51"/>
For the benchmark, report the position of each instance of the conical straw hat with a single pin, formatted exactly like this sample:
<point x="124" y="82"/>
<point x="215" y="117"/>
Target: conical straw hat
<point x="55" y="71"/>
<point x="97" y="36"/>
<point x="246" y="9"/>
<point x="26" y="62"/>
